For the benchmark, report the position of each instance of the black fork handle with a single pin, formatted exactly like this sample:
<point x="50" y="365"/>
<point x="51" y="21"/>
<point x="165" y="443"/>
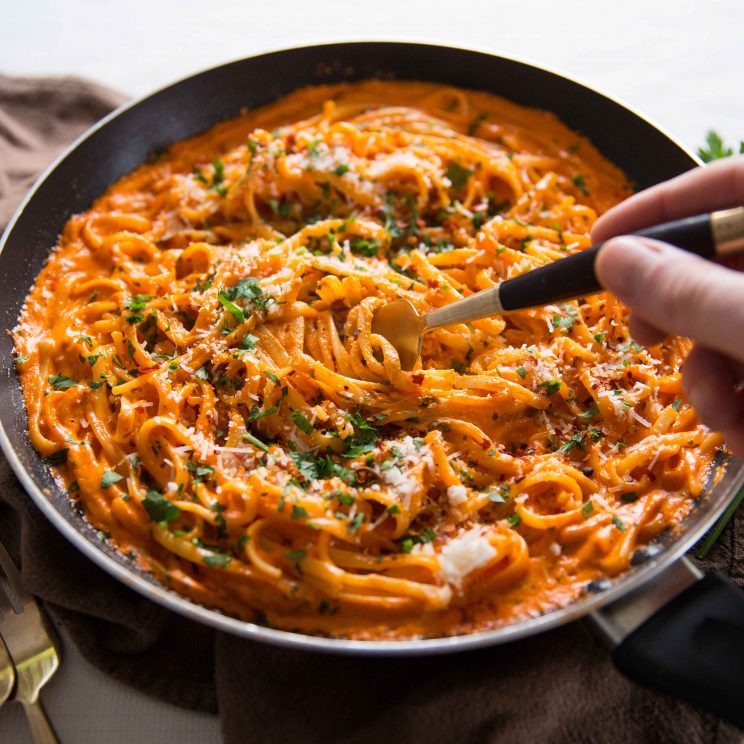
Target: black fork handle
<point x="574" y="276"/>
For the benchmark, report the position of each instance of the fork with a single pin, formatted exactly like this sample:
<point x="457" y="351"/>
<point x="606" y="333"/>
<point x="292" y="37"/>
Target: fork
<point x="29" y="642"/>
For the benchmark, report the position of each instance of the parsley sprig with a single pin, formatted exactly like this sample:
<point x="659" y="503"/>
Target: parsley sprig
<point x="716" y="149"/>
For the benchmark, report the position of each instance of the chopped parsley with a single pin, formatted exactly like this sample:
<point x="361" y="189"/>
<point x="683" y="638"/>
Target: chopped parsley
<point x="567" y="319"/>
<point x="298" y="512"/>
<point x="216" y="560"/>
<point x="595" y="434"/>
<point x="364" y="439"/>
<point x="61" y="382"/>
<point x="199" y="471"/>
<point x="458" y="175"/>
<point x="591" y="412"/>
<point x="552" y="386"/>
<point x="248" y="437"/>
<point x="587" y="509"/>
<point x="248" y="289"/>
<point x="716" y="149"/>
<point x="618" y="523"/>
<point x="575" y="441"/>
<point x="109" y="478"/>
<point x="301" y="422"/>
<point x="57" y="458"/>
<point x="408" y="541"/>
<point x="218" y="178"/>
<point x="314" y="467"/>
<point x="159" y="508"/>
<point x="580" y="183"/>
<point x="501" y="495"/>
<point x="369" y="247"/>
<point x="138" y="302"/>
<point x="231" y="307"/>
<point x="248" y="342"/>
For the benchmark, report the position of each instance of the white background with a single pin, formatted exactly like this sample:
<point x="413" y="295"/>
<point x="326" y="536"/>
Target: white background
<point x="679" y="62"/>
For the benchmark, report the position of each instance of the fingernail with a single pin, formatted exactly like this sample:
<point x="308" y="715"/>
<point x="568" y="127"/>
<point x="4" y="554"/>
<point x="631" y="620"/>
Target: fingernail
<point x="623" y="263"/>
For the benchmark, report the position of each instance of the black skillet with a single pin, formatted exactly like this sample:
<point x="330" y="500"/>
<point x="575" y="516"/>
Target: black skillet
<point x="671" y="628"/>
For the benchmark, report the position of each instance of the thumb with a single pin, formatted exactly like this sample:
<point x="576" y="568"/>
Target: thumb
<point x="677" y="292"/>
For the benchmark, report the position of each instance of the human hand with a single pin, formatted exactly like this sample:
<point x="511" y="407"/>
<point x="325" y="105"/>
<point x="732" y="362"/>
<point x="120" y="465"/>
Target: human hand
<point x="673" y="292"/>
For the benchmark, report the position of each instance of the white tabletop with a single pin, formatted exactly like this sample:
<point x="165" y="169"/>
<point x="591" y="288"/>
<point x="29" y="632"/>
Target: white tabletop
<point x="679" y="62"/>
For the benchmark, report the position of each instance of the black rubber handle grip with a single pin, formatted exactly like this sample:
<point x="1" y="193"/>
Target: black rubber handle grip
<point x="693" y="648"/>
<point x="574" y="275"/>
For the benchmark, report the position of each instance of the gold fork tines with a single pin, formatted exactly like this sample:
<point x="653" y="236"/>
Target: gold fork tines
<point x="30" y="645"/>
<point x="7" y="674"/>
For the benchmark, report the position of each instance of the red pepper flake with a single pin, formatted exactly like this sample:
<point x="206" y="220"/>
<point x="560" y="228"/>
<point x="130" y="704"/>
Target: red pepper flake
<point x="433" y="283"/>
<point x="418" y="378"/>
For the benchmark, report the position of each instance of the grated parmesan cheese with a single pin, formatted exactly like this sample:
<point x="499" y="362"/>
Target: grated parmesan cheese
<point x="457" y="495"/>
<point x="639" y="418"/>
<point x="463" y="555"/>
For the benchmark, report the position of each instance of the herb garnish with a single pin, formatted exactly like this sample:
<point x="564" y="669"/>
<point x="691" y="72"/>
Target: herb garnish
<point x="408" y="541"/>
<point x="159" y="508"/>
<point x="576" y="440"/>
<point x="580" y="183"/>
<point x="458" y="175"/>
<point x="57" y="458"/>
<point x="138" y="302"/>
<point x="313" y="467"/>
<point x="216" y="560"/>
<point x="301" y="422"/>
<point x="231" y="307"/>
<point x="364" y="439"/>
<point x="61" y="382"/>
<point x="716" y="148"/>
<point x="109" y="478"/>
<point x="248" y="437"/>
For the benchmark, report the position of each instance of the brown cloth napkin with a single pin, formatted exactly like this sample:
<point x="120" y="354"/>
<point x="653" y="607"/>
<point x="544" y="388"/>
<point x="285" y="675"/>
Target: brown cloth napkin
<point x="557" y="687"/>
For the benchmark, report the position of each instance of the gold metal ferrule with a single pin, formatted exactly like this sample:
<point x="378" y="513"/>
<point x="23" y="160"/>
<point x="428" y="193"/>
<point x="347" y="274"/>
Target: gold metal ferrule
<point x="727" y="226"/>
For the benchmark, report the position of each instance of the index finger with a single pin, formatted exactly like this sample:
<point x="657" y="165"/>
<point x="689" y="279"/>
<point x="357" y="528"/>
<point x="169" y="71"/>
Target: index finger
<point x="716" y="186"/>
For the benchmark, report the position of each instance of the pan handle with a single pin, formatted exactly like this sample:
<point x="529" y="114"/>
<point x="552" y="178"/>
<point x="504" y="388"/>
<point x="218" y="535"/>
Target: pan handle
<point x="683" y="634"/>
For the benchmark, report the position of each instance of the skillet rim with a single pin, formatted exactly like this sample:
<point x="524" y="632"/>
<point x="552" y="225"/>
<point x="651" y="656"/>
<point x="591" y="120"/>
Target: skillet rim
<point x="123" y="570"/>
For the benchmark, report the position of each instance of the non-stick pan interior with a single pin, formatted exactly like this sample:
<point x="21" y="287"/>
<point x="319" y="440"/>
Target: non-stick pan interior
<point x="129" y="137"/>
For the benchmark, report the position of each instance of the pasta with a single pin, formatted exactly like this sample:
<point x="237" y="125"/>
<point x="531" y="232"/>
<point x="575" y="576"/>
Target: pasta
<point x="197" y="359"/>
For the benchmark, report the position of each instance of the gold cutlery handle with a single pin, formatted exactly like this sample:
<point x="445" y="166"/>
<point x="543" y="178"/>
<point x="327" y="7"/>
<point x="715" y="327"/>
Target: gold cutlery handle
<point x="41" y="730"/>
<point x="7" y="673"/>
<point x="479" y="305"/>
